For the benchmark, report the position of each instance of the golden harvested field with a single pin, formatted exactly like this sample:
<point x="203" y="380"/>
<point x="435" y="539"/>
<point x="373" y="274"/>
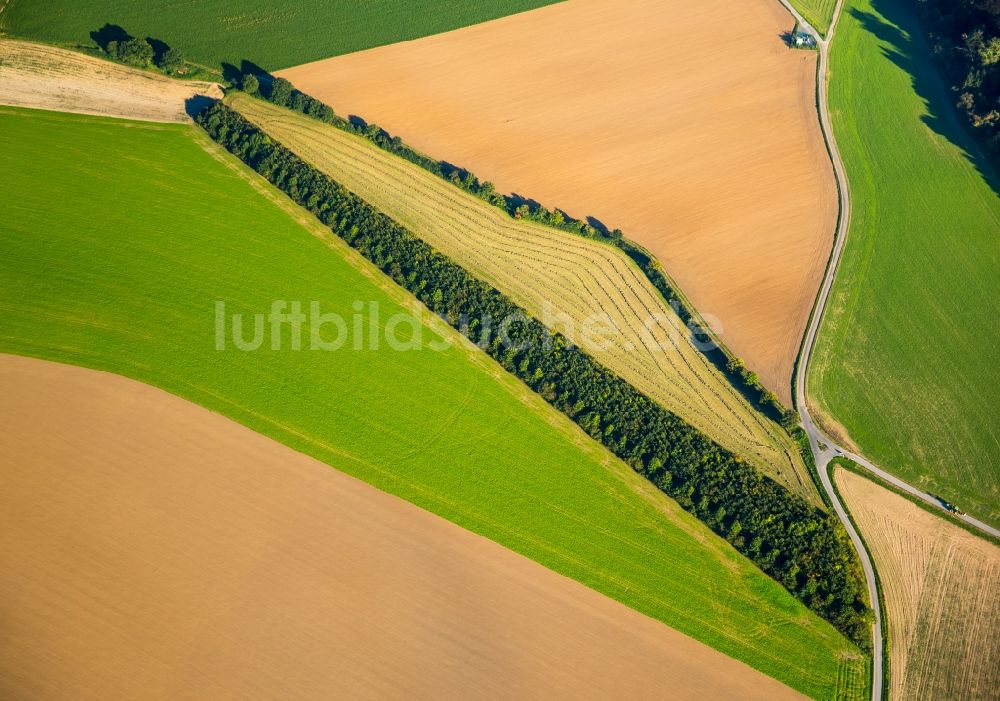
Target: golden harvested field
<point x="150" y="549"/>
<point x="941" y="594"/>
<point x="587" y="289"/>
<point x="46" y="77"/>
<point x="688" y="125"/>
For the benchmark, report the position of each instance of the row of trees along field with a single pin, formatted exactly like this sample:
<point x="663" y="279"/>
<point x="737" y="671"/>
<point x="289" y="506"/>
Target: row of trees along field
<point x="965" y="36"/>
<point x="121" y="46"/>
<point x="281" y="92"/>
<point x="803" y="548"/>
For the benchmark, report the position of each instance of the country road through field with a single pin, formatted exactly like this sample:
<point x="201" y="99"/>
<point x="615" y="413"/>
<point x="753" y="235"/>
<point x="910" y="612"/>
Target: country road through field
<point x="812" y="330"/>
<point x="823" y="448"/>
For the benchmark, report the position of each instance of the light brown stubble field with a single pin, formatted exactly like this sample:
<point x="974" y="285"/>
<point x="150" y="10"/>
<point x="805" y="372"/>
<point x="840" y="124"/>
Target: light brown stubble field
<point x="690" y="126"/>
<point x="151" y="549"/>
<point x="50" y="78"/>
<point x="941" y="595"/>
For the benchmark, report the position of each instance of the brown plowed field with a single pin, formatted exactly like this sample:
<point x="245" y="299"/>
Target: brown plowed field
<point x="150" y="549"/>
<point x="689" y="125"/>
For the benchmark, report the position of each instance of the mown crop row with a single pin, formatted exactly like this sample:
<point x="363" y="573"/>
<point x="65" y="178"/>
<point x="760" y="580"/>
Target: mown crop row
<point x="282" y="93"/>
<point x="803" y="548"/>
<point x="583" y="288"/>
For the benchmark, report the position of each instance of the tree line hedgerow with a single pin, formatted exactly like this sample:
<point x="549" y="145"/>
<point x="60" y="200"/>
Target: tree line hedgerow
<point x="803" y="548"/>
<point x="147" y="53"/>
<point x="281" y="92"/>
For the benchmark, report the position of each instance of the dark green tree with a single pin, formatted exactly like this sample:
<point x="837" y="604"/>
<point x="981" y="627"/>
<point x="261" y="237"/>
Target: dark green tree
<point x="133" y="51"/>
<point x="171" y="60"/>
<point x="251" y="85"/>
<point x="281" y="92"/>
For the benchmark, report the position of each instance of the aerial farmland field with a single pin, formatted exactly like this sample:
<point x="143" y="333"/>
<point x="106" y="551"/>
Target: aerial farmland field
<point x="342" y="575"/>
<point x="555" y="275"/>
<point x="940" y="594"/>
<point x="645" y="120"/>
<point x="906" y="361"/>
<point x="272" y="33"/>
<point x="291" y="408"/>
<point x="128" y="290"/>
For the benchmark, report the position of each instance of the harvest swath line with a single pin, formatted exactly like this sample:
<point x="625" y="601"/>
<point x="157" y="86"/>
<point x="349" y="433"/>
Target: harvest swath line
<point x="537" y="264"/>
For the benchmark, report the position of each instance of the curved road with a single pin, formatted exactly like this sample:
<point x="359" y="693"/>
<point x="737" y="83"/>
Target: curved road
<point x="823" y="447"/>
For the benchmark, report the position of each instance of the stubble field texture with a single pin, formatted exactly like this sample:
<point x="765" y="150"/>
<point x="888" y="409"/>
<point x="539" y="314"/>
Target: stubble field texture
<point x="939" y="584"/>
<point x="272" y="33"/>
<point x="690" y="126"/>
<point x="124" y="507"/>
<point x="905" y="364"/>
<point x="48" y="77"/>
<point x="125" y="289"/>
<point x="558" y="277"/>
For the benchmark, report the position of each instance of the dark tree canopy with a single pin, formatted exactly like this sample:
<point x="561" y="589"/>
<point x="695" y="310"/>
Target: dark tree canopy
<point x="133" y="51"/>
<point x="171" y="60"/>
<point x="281" y="92"/>
<point x="965" y="37"/>
<point x="250" y="84"/>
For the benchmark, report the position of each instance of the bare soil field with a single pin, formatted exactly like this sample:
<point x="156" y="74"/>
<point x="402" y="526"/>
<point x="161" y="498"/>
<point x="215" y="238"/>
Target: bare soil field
<point x="151" y="549"/>
<point x="941" y="594"/>
<point x="47" y="77"/>
<point x="588" y="290"/>
<point x="690" y="126"/>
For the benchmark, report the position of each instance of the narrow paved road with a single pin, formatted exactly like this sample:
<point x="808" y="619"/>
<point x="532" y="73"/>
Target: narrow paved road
<point x="913" y="491"/>
<point x="823" y="448"/>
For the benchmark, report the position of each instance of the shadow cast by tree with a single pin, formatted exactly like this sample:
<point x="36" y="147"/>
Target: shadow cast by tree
<point x="898" y="28"/>
<point x="196" y="104"/>
<point x="160" y="49"/>
<point x="109" y="33"/>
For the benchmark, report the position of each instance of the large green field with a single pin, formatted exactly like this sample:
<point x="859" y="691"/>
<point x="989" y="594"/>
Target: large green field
<point x="907" y="354"/>
<point x="272" y="33"/>
<point x="118" y="238"/>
